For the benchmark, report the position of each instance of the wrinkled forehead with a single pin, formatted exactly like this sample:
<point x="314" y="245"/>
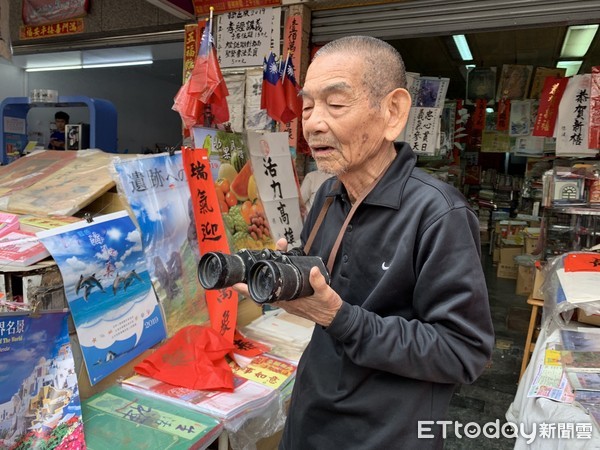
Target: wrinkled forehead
<point x="337" y="70"/>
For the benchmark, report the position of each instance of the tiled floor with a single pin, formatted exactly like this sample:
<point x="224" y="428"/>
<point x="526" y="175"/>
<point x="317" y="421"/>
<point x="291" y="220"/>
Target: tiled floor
<point x="489" y="397"/>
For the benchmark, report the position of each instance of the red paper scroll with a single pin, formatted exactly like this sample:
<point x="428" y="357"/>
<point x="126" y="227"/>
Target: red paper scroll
<point x="222" y="304"/>
<point x="594" y="127"/>
<point x="503" y="115"/>
<point x="479" y="114"/>
<point x="553" y="90"/>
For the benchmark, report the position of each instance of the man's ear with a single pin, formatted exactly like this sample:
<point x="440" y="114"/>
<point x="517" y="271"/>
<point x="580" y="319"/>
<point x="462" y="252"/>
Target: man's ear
<point x="397" y="106"/>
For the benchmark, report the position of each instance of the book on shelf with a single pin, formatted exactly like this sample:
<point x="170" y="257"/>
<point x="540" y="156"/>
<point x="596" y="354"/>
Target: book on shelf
<point x="246" y="396"/>
<point x="121" y="418"/>
<point x="579" y="340"/>
<point x="21" y="249"/>
<point x="584" y="381"/>
<point x="286" y="334"/>
<point x="580" y="361"/>
<point x="38" y="223"/>
<point x="266" y="369"/>
<point x="8" y="223"/>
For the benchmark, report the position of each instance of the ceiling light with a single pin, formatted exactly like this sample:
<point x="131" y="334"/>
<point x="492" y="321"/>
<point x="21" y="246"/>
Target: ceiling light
<point x="571" y="66"/>
<point x="463" y="47"/>
<point x="119" y="64"/>
<point x="578" y="40"/>
<point x="51" y="68"/>
<point x="470" y="66"/>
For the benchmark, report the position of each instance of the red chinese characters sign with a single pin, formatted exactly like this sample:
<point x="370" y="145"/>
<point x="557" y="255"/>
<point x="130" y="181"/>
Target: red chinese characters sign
<point x="65" y="28"/>
<point x="222" y="303"/>
<point x="202" y="8"/>
<point x="44" y="12"/>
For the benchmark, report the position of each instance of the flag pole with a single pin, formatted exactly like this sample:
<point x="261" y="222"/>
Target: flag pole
<point x="285" y="67"/>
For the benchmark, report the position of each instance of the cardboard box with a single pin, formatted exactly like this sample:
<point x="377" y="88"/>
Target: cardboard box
<point x="507" y="267"/>
<point x="538" y="280"/>
<point x="593" y="319"/>
<point x="525" y="280"/>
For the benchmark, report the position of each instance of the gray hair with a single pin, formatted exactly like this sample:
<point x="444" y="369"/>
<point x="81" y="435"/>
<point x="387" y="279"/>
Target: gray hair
<point x="384" y="68"/>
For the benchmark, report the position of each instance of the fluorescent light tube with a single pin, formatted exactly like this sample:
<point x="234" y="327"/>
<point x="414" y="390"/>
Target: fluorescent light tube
<point x="463" y="47"/>
<point x="48" y="69"/>
<point x="578" y="40"/>
<point x="571" y="66"/>
<point x="119" y="64"/>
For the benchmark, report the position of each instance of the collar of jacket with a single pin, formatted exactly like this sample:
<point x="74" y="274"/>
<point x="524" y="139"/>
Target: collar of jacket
<point x="388" y="191"/>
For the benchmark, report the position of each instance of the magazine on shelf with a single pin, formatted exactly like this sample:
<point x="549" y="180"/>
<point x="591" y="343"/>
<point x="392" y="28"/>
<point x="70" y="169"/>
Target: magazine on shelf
<point x="8" y="222"/>
<point x="580" y="361"/>
<point x="580" y="340"/>
<point x="268" y="370"/>
<point x="121" y="418"/>
<point x="220" y="404"/>
<point x="21" y="249"/>
<point x="584" y="381"/>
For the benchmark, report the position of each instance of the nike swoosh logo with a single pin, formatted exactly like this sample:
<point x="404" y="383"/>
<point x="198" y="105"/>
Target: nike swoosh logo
<point x="384" y="267"/>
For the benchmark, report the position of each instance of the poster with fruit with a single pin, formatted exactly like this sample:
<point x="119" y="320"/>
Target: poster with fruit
<point x="242" y="209"/>
<point x="277" y="184"/>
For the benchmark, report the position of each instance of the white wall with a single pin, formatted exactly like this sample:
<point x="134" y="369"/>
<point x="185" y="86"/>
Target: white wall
<point x="143" y="97"/>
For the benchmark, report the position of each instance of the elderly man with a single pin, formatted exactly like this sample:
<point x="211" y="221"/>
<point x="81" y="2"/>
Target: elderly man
<point x="406" y="316"/>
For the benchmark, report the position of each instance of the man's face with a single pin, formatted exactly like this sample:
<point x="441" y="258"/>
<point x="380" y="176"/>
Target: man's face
<point x="341" y="128"/>
<point x="60" y="124"/>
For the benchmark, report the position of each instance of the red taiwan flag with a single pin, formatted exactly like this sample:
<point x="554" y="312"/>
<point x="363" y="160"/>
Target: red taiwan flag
<point x="291" y="89"/>
<point x="205" y="87"/>
<point x="272" y="97"/>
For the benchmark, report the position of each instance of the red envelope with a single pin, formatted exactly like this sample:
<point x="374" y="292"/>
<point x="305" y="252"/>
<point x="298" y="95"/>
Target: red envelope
<point x="194" y="358"/>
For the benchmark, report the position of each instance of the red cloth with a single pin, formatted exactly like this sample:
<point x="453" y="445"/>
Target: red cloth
<point x="205" y="86"/>
<point x="194" y="358"/>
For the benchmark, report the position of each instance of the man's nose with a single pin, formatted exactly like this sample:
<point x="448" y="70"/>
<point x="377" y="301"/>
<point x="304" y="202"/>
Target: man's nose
<point x="316" y="121"/>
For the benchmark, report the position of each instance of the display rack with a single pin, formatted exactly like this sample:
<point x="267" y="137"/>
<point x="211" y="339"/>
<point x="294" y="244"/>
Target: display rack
<point x="13" y="135"/>
<point x="570" y="228"/>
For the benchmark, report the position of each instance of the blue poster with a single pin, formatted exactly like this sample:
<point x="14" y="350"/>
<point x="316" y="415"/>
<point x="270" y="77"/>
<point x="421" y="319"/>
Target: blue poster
<point x="114" y="307"/>
<point x="157" y="190"/>
<point x="39" y="399"/>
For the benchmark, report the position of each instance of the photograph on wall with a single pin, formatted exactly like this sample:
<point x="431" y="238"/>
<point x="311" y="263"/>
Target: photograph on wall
<point x="481" y="84"/>
<point x="39" y="401"/>
<point x="514" y="82"/>
<point x="432" y="92"/>
<point x="539" y="78"/>
<point x="157" y="192"/>
<point x="108" y="288"/>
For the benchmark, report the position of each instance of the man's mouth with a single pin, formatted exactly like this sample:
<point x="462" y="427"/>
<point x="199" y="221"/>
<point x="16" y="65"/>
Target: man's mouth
<point x="321" y="148"/>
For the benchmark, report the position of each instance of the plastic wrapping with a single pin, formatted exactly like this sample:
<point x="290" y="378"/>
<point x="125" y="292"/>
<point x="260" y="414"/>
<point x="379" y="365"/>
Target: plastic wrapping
<point x="259" y="423"/>
<point x="556" y="306"/>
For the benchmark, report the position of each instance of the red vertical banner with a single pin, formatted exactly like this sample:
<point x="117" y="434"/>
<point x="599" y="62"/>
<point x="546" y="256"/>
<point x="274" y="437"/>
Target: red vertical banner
<point x="222" y="303"/>
<point x="552" y="93"/>
<point x="292" y="42"/>
<point x="479" y="114"/>
<point x="191" y="42"/>
<point x="594" y="130"/>
<point x="503" y="115"/>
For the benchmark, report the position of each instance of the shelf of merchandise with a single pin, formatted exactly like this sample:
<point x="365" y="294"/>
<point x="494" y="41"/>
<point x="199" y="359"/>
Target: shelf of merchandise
<point x="102" y="116"/>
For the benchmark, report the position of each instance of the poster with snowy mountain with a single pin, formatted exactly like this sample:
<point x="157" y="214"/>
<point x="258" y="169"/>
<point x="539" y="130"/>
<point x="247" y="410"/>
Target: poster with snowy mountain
<point x="39" y="398"/>
<point x="115" y="309"/>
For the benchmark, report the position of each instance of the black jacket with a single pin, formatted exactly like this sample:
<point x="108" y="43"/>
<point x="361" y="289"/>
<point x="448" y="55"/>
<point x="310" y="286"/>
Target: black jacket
<point x="415" y="320"/>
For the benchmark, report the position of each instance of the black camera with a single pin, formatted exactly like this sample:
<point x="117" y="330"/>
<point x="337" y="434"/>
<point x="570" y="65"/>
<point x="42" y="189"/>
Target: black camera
<point x="271" y="275"/>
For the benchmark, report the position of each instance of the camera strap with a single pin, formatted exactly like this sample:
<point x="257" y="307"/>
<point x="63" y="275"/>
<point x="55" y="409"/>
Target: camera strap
<point x="340" y="235"/>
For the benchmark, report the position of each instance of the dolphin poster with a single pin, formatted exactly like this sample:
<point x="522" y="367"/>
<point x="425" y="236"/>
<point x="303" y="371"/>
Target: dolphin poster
<point x="114" y="307"/>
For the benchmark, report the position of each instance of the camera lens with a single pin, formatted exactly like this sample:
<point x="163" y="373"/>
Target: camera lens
<point x="218" y="270"/>
<point x="270" y="281"/>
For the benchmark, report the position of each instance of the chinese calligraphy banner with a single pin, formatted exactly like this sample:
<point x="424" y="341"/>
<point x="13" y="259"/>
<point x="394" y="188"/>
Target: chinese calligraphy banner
<point x="115" y="309"/>
<point x="212" y="236"/>
<point x="423" y="130"/>
<point x="245" y="37"/>
<point x="277" y="185"/>
<point x="157" y="191"/>
<point x="574" y="117"/>
<point x="67" y="27"/>
<point x="594" y="134"/>
<point x="44" y="12"/>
